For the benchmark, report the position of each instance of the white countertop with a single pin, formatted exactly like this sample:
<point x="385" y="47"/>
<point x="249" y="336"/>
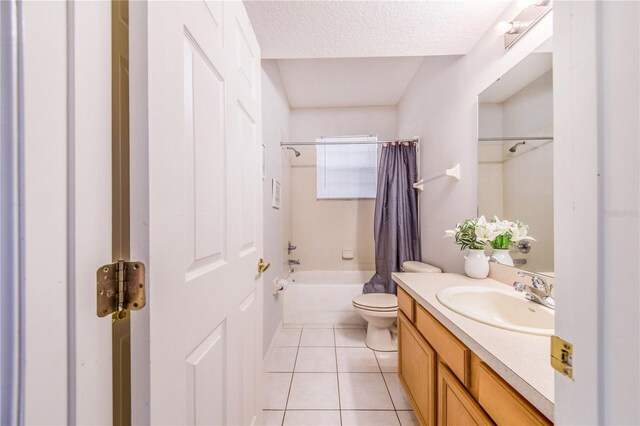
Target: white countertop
<point x="522" y="360"/>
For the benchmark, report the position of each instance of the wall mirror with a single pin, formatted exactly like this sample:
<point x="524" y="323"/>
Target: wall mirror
<point x="515" y="155"/>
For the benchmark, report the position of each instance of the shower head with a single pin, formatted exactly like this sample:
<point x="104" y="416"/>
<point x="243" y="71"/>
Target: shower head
<point x="513" y="148"/>
<point x="295" y="151"/>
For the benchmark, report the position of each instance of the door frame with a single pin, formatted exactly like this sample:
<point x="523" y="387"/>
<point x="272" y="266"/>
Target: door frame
<point x="11" y="279"/>
<point x="139" y="211"/>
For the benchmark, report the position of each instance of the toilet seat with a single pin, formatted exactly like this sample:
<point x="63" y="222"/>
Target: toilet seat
<point x="376" y="302"/>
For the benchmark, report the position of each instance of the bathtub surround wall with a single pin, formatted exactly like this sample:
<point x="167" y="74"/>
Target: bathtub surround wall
<point x="322" y="229"/>
<point x="277" y="222"/>
<point x="440" y="106"/>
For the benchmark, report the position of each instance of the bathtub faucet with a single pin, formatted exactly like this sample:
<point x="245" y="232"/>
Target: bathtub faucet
<point x="293" y="262"/>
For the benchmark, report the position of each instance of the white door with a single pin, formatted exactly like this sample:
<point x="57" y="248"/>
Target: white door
<point x="204" y="202"/>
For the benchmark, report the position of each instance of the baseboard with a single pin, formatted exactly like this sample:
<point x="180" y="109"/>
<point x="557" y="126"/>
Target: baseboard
<point x="272" y="346"/>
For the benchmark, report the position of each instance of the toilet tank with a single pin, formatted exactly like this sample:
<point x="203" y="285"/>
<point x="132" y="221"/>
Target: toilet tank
<point x="412" y="266"/>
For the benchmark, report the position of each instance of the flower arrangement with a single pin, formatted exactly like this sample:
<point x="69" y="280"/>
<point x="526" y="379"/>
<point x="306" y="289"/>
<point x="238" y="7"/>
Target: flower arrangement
<point x="465" y="234"/>
<point x="499" y="234"/>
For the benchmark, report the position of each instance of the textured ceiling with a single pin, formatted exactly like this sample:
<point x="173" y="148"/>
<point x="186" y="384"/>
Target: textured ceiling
<point x="344" y="29"/>
<point x="346" y="82"/>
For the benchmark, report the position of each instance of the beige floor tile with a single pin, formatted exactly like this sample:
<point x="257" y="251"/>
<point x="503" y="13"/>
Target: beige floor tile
<point x="272" y="418"/>
<point x="312" y="418"/>
<point x="388" y="361"/>
<point x="351" y="337"/>
<point x="316" y="360"/>
<point x="314" y="391"/>
<point x="369" y="418"/>
<point x="352" y="326"/>
<point x="356" y="360"/>
<point x="317" y="337"/>
<point x="408" y="418"/>
<point x="363" y="391"/>
<point x="276" y="390"/>
<point x="282" y="360"/>
<point x="398" y="395"/>
<point x="289" y="337"/>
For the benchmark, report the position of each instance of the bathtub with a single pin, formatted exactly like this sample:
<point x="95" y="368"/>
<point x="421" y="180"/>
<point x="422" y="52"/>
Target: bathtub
<point x="323" y="297"/>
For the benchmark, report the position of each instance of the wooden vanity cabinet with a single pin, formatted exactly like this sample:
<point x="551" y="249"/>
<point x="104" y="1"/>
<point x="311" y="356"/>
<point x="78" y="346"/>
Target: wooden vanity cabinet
<point x="446" y="382"/>
<point x="455" y="405"/>
<point x="417" y="370"/>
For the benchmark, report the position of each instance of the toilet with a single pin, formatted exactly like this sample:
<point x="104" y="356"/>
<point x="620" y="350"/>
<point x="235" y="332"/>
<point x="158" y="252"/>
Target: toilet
<point x="380" y="310"/>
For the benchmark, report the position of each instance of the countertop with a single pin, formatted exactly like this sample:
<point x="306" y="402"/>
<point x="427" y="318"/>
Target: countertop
<point x="522" y="360"/>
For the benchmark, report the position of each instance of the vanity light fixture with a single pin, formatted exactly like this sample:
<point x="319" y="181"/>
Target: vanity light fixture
<point x="523" y="4"/>
<point x="532" y="12"/>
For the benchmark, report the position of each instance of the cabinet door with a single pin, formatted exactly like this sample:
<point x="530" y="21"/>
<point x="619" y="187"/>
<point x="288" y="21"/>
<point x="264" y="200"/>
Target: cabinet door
<point x="456" y="407"/>
<point x="417" y="370"/>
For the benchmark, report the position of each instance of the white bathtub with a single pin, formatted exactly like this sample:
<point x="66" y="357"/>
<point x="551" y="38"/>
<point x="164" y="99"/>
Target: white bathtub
<point x="323" y="297"/>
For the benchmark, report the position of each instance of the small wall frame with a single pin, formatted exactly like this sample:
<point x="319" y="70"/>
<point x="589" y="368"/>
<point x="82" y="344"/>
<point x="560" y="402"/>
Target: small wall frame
<point x="276" y="194"/>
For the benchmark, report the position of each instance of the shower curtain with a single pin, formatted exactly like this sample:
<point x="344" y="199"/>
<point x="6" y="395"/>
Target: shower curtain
<point x="396" y="215"/>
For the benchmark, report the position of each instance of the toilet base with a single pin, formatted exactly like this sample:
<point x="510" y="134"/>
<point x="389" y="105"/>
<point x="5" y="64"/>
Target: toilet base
<point x="380" y="339"/>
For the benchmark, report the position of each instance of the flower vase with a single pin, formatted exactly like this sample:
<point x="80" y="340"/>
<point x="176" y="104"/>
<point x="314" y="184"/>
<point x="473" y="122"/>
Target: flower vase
<point x="476" y="264"/>
<point x="502" y="256"/>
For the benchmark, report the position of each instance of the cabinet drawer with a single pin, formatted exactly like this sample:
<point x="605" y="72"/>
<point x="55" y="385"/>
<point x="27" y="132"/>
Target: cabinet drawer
<point x="406" y="304"/>
<point x="448" y="347"/>
<point x="455" y="405"/>
<point x="503" y="403"/>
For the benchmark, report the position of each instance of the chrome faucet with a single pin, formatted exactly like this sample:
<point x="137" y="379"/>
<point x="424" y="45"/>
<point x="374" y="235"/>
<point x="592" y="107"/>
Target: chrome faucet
<point x="293" y="262"/>
<point x="290" y="247"/>
<point x="539" y="291"/>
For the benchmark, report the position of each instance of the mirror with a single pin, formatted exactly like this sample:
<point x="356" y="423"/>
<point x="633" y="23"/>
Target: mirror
<point x="515" y="156"/>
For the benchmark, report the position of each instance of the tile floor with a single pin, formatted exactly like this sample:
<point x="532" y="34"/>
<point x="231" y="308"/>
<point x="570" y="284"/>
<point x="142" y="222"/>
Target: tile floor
<point x="326" y="375"/>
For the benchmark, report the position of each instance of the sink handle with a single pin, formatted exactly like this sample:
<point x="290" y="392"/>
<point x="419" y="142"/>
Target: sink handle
<point x="519" y="286"/>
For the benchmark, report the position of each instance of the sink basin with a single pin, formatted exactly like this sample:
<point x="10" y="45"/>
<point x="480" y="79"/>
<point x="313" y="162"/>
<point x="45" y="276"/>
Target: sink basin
<point x="503" y="308"/>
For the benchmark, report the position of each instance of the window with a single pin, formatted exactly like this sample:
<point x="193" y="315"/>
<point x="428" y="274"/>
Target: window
<point x="347" y="171"/>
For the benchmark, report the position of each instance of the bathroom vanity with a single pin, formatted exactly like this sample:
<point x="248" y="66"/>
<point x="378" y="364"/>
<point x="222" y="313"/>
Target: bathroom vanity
<point x="460" y="371"/>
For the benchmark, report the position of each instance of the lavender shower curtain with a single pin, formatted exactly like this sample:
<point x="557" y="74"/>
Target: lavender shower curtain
<point x="396" y="215"/>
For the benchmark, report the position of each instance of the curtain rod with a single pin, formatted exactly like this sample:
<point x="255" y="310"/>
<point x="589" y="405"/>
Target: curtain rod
<point x="511" y="138"/>
<point x="353" y="142"/>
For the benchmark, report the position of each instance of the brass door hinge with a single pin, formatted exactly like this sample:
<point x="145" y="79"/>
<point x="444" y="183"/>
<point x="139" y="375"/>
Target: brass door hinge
<point x="120" y="287"/>
<point x="562" y="356"/>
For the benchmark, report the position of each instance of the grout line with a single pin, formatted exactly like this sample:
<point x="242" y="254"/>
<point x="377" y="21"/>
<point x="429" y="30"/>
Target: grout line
<point x="286" y="405"/>
<point x="335" y="409"/>
<point x="387" y="386"/>
<point x="335" y="351"/>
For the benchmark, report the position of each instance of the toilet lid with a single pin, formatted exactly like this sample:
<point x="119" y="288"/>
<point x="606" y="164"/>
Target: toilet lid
<point x="376" y="301"/>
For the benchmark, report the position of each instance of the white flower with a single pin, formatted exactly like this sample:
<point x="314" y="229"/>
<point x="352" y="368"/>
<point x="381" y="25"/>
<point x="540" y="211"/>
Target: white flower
<point x="519" y="232"/>
<point x="486" y="231"/>
<point x="502" y="227"/>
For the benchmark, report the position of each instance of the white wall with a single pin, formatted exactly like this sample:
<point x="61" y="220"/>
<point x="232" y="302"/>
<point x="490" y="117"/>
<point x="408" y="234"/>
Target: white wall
<point x="277" y="228"/>
<point x="440" y="105"/>
<point x="321" y="229"/>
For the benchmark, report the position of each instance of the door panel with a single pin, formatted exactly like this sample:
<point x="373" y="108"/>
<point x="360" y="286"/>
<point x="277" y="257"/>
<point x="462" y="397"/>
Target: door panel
<point x="205" y="139"/>
<point x="205" y="378"/>
<point x="205" y="235"/>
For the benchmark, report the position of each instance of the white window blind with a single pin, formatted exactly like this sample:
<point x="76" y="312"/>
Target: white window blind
<point x="346" y="171"/>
